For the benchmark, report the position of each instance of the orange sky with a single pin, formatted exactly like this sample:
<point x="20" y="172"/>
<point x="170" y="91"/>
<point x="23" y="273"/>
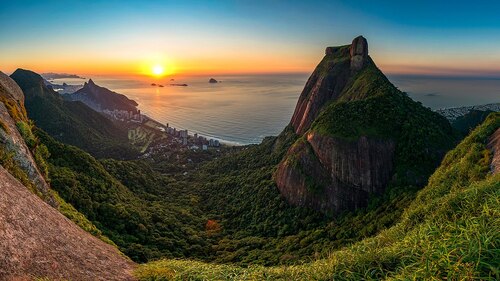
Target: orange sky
<point x="118" y="38"/>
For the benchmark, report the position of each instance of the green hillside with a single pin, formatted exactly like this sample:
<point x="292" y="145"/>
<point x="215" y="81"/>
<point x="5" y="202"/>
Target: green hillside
<point x="150" y="215"/>
<point x="464" y="124"/>
<point x="72" y="122"/>
<point x="450" y="231"/>
<point x="146" y="214"/>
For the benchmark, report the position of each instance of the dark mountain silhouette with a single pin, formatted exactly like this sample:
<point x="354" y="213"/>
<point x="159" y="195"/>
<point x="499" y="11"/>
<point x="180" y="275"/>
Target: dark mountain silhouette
<point x="100" y="98"/>
<point x="71" y="122"/>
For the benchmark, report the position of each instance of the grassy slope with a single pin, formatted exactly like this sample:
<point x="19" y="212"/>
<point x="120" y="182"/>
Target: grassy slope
<point x="464" y="124"/>
<point x="449" y="231"/>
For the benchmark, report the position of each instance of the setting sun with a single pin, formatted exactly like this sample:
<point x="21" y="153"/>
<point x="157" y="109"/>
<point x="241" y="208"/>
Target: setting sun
<point x="158" y="70"/>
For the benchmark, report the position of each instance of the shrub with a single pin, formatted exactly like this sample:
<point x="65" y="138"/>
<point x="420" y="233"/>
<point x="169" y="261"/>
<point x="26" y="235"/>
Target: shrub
<point x="25" y="130"/>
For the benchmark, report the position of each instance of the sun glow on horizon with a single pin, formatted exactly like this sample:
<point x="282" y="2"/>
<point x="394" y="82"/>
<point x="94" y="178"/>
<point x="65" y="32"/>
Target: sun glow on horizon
<point x="158" y="70"/>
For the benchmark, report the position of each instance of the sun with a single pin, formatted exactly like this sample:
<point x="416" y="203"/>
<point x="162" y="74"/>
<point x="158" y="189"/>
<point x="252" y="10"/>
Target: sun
<point x="158" y="70"/>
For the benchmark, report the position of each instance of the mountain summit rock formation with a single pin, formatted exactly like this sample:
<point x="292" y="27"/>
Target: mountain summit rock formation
<point x="357" y="134"/>
<point x="100" y="98"/>
<point x="329" y="80"/>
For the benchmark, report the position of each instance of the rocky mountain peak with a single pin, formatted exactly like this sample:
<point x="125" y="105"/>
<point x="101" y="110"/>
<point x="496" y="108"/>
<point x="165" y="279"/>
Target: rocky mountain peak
<point x="29" y="78"/>
<point x="352" y="135"/>
<point x="99" y="98"/>
<point x="329" y="80"/>
<point x="358" y="52"/>
<point x="11" y="87"/>
<point x="88" y="84"/>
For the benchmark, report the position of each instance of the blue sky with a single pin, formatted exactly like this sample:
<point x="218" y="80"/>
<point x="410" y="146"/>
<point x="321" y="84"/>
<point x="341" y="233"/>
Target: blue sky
<point x="423" y="37"/>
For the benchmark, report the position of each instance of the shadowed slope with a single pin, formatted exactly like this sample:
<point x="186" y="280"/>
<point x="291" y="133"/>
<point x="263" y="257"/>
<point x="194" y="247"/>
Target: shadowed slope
<point x="72" y="122"/>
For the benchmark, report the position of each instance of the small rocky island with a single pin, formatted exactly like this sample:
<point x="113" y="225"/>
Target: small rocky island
<point x="212" y="80"/>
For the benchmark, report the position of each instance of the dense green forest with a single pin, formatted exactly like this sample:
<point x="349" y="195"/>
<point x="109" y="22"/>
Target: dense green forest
<point x="448" y="232"/>
<point x="228" y="210"/>
<point x="225" y="207"/>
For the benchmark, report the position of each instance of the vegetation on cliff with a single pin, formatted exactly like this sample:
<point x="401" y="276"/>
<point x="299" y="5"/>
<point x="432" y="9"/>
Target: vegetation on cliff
<point x="150" y="215"/>
<point x="448" y="232"/>
<point x="384" y="112"/>
<point x="229" y="215"/>
<point x="358" y="136"/>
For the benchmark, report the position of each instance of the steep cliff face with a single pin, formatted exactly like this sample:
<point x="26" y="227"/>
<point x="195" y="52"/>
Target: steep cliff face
<point x="357" y="134"/>
<point x="494" y="146"/>
<point x="328" y="81"/>
<point x="12" y="144"/>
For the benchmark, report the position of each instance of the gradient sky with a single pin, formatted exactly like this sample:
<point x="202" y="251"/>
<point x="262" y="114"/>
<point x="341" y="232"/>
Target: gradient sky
<point x="209" y="37"/>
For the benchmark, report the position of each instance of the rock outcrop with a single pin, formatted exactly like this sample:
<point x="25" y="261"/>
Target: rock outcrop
<point x="359" y="53"/>
<point x="329" y="80"/>
<point x="494" y="146"/>
<point x="11" y="142"/>
<point x="326" y="83"/>
<point x="39" y="242"/>
<point x="356" y="133"/>
<point x="10" y="88"/>
<point x="36" y="240"/>
<point x="333" y="175"/>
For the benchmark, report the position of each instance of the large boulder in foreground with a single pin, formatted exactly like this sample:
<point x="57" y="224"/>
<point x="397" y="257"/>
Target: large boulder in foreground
<point x="39" y="242"/>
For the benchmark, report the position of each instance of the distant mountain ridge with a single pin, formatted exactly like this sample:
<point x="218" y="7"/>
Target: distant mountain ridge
<point x="72" y="122"/>
<point x="53" y="75"/>
<point x="100" y="98"/>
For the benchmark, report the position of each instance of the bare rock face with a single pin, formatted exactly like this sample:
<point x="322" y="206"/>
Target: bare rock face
<point x="494" y="146"/>
<point x="11" y="88"/>
<point x="11" y="140"/>
<point x="39" y="242"/>
<point x="359" y="53"/>
<point x="333" y="175"/>
<point x="328" y="81"/>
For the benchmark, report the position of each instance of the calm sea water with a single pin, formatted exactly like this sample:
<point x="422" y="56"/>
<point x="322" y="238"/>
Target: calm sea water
<point x="245" y="109"/>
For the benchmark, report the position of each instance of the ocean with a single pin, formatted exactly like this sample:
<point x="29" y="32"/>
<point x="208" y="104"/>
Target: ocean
<point x="244" y="109"/>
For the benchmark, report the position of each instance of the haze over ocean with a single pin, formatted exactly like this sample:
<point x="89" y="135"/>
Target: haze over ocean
<point x="244" y="109"/>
